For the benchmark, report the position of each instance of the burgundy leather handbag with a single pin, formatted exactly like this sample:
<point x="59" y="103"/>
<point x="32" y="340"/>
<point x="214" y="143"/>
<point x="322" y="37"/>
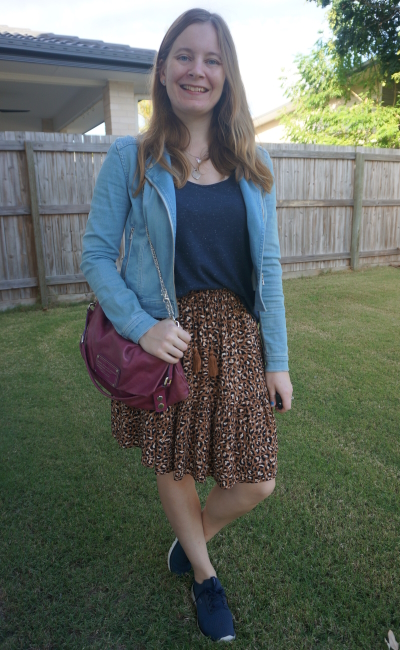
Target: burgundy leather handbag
<point x="124" y="369"/>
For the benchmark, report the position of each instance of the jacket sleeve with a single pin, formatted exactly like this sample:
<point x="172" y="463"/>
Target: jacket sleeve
<point x="273" y="321"/>
<point x="109" y="211"/>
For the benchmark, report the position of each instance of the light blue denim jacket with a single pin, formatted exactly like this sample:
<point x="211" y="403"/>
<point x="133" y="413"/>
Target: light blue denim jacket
<point x="132" y="299"/>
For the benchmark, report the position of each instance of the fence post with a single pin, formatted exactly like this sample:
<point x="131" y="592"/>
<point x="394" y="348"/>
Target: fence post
<point x="357" y="209"/>
<point x="37" y="233"/>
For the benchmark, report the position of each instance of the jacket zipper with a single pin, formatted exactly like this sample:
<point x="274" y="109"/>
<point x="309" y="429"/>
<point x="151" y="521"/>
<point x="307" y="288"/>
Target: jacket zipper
<point x="173" y="239"/>
<point x="129" y="250"/>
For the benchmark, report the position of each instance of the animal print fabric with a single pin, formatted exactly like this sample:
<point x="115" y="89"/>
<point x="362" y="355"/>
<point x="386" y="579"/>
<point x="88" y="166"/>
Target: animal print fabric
<point x="226" y="427"/>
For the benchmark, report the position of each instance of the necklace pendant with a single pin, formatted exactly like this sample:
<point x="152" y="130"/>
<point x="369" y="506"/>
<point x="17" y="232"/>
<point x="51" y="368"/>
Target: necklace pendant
<point x="196" y="174"/>
<point x="198" y="160"/>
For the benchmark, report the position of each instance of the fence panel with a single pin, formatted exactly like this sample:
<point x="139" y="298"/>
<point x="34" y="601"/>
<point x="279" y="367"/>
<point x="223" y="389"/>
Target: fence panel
<point x="316" y="198"/>
<point x="380" y="225"/>
<point x="329" y="214"/>
<point x="65" y="181"/>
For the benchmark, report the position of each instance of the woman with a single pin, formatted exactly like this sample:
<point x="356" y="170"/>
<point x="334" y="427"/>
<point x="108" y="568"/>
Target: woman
<point x="207" y="196"/>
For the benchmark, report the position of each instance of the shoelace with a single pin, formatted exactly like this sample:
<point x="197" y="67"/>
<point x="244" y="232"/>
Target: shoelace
<point x="216" y="598"/>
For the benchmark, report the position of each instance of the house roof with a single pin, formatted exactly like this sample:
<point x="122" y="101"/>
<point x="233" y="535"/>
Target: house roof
<point x="262" y="121"/>
<point x="17" y="44"/>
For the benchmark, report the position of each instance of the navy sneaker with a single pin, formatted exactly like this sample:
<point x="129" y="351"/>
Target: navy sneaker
<point x="178" y="561"/>
<point x="213" y="614"/>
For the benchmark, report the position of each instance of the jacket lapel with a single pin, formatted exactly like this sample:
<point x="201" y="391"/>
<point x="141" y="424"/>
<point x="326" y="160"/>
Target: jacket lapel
<point x="255" y="219"/>
<point x="163" y="182"/>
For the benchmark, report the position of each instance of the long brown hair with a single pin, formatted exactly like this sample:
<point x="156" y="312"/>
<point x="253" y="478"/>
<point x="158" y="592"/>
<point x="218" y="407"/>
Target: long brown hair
<point x="232" y="146"/>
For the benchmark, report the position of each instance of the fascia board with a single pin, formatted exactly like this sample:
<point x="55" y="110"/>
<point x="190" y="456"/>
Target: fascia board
<point x="69" y="55"/>
<point x="100" y="65"/>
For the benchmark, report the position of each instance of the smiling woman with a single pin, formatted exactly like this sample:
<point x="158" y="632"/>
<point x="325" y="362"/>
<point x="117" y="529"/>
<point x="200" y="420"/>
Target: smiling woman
<point x="194" y="78"/>
<point x="197" y="186"/>
<point x="197" y="89"/>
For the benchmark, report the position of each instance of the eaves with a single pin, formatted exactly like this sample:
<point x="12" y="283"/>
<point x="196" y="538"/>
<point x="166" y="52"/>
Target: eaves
<point x="130" y="60"/>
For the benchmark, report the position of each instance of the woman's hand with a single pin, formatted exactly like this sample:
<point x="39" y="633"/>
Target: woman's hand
<point x="166" y="341"/>
<point x="279" y="382"/>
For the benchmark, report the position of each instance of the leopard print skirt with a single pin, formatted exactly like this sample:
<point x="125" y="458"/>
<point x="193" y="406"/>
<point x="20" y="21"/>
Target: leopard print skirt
<point x="226" y="427"/>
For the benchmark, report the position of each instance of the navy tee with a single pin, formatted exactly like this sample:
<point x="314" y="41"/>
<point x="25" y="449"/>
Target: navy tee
<point x="212" y="248"/>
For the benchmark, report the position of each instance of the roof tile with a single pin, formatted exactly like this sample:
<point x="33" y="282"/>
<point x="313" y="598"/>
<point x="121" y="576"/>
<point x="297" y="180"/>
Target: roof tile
<point x="75" y="44"/>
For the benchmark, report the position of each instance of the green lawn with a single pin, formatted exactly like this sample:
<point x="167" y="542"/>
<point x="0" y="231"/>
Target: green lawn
<point x="83" y="537"/>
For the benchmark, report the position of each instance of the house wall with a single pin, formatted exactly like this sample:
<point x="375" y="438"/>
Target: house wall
<point x="20" y="121"/>
<point x="274" y="133"/>
<point x="120" y="109"/>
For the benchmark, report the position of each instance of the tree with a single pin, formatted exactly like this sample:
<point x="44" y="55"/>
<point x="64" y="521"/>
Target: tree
<point x="337" y="96"/>
<point x="145" y="108"/>
<point x="366" y="29"/>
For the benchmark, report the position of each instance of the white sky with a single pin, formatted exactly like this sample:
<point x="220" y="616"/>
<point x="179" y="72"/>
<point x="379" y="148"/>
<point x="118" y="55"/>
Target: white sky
<point x="267" y="33"/>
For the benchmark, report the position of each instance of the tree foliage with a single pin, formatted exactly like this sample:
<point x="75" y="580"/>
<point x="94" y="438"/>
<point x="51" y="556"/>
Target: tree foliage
<point x="336" y="96"/>
<point x="366" y="29"/>
<point x="361" y="124"/>
<point x="145" y="108"/>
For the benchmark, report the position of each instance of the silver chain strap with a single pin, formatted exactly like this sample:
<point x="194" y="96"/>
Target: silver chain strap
<point x="164" y="291"/>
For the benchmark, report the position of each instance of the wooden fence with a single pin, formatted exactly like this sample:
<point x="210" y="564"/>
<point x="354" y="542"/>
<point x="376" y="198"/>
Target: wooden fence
<point x="47" y="182"/>
<point x="337" y="207"/>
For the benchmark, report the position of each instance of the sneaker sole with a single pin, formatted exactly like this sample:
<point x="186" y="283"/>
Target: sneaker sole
<point x="223" y="639"/>
<point x="170" y="551"/>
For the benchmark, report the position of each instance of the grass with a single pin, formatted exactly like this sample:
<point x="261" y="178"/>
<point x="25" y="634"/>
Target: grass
<point x="83" y="537"/>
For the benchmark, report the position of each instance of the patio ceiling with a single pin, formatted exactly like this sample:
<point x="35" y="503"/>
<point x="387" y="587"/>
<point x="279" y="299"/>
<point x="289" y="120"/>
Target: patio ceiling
<point x="62" y="79"/>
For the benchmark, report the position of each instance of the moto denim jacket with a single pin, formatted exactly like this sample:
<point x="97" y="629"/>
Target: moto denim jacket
<point x="132" y="299"/>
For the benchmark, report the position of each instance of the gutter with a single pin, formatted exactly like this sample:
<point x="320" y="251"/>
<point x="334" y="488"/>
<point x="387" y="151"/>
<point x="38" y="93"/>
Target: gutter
<point x="69" y="55"/>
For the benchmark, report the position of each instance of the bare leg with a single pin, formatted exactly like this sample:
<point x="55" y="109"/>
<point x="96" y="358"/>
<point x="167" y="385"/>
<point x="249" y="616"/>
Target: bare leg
<point x="194" y="528"/>
<point x="223" y="506"/>
<point x="182" y="506"/>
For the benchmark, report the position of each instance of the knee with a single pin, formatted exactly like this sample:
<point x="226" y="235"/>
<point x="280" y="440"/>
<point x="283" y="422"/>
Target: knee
<point x="168" y="482"/>
<point x="250" y="494"/>
<point x="263" y="490"/>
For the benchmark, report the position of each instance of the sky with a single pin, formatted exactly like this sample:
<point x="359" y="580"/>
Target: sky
<point x="267" y="33"/>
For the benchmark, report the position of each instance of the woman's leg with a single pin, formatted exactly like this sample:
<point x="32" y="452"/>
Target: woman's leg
<point x="194" y="528"/>
<point x="182" y="506"/>
<point x="223" y="506"/>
